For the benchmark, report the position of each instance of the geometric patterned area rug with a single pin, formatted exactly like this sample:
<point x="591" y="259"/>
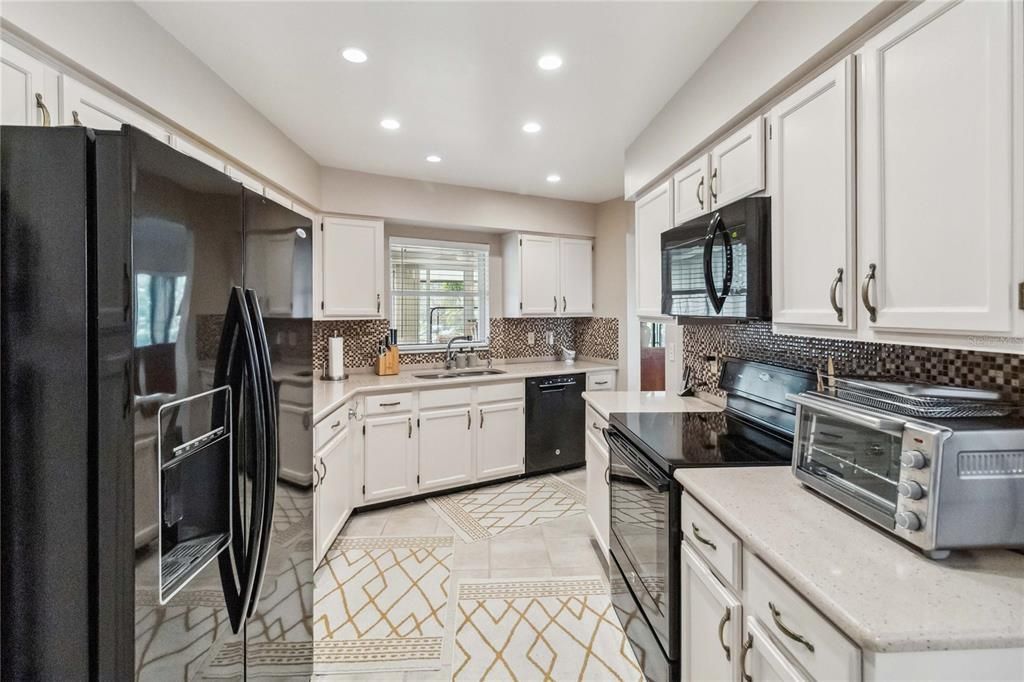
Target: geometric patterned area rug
<point x="485" y="512"/>
<point x="539" y="629"/>
<point x="381" y="604"/>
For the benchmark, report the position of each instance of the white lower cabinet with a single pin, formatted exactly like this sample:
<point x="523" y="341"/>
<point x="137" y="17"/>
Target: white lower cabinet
<point x="389" y="458"/>
<point x="333" y="491"/>
<point x="445" y="447"/>
<point x="713" y="617"/>
<point x="763" y="661"/>
<point x="500" y="440"/>
<point x="598" y="503"/>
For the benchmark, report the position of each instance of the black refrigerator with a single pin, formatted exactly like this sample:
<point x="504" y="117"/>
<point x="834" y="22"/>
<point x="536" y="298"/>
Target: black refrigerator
<point x="152" y="314"/>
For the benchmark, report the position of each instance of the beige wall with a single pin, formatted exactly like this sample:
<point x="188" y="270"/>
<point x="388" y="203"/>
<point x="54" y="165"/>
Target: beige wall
<point x="614" y="222"/>
<point x="428" y="203"/>
<point x="122" y="48"/>
<point x="771" y="48"/>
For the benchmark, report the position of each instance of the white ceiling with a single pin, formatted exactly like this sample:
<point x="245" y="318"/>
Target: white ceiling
<point x="462" y="78"/>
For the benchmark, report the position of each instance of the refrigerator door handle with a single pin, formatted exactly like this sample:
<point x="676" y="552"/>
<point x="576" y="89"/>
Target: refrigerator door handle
<point x="237" y="367"/>
<point x="269" y="461"/>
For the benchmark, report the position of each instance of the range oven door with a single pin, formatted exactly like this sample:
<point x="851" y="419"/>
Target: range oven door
<point x="644" y="538"/>
<point x="850" y="454"/>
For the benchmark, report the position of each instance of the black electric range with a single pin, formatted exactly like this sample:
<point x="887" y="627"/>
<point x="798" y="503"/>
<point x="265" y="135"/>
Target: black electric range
<point x="755" y="429"/>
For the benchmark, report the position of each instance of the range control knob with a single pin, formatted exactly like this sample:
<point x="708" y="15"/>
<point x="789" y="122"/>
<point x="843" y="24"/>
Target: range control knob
<point x="908" y="520"/>
<point x="910" y="489"/>
<point x="913" y="459"/>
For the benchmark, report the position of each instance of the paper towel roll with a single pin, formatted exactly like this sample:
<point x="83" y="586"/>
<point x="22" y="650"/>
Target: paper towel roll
<point x="336" y="357"/>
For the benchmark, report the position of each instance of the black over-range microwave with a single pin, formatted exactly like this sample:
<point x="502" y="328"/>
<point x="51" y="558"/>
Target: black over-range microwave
<point x="718" y="267"/>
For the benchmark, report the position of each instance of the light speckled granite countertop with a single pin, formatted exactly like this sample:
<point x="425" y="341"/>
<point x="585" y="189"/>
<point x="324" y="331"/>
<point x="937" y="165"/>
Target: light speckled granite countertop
<point x="329" y="395"/>
<point x="882" y="594"/>
<point x="607" y="402"/>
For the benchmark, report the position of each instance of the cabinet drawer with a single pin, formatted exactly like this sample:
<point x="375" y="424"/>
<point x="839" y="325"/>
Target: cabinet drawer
<point x="601" y="381"/>
<point x="595" y="423"/>
<point x="330" y="427"/>
<point x="389" y="402"/>
<point x="806" y="635"/>
<point x="445" y="397"/>
<point x="713" y="541"/>
<point x="505" y="390"/>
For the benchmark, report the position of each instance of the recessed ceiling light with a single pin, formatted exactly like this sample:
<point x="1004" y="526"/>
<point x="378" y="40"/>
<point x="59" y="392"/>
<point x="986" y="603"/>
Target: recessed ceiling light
<point x="434" y="158"/>
<point x="390" y="124"/>
<point x="549" y="62"/>
<point x="554" y="177"/>
<point x="531" y="127"/>
<point x="354" y="55"/>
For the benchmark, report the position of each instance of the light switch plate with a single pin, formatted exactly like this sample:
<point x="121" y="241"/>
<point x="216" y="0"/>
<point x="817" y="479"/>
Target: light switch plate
<point x="550" y="337"/>
<point x="531" y="338"/>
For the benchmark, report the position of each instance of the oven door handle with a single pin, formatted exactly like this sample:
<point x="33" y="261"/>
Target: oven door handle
<point x="621" y="448"/>
<point x="859" y="417"/>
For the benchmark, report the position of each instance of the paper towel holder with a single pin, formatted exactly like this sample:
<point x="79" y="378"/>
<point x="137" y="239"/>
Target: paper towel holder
<point x="326" y="377"/>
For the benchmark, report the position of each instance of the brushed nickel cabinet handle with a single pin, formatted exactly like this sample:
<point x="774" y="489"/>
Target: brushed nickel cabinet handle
<point x="596" y="426"/>
<point x="832" y="294"/>
<point x="864" y="293"/>
<point x="41" y="106"/>
<point x="563" y="304"/>
<point x="702" y="540"/>
<point x="74" y="118"/>
<point x="410" y="427"/>
<point x="700" y="192"/>
<point x="378" y="303"/>
<point x="323" y="476"/>
<point x="481" y="419"/>
<point x="469" y="420"/>
<point x="748" y="644"/>
<point x="316" y="476"/>
<point x="600" y="383"/>
<point x="726" y="617"/>
<point x="777" y="617"/>
<point x="335" y="424"/>
<point x="711" y="185"/>
<point x="397" y="402"/>
<point x="555" y="299"/>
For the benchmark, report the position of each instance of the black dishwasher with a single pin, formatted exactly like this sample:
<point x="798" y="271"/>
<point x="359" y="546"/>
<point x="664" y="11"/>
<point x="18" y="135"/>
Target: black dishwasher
<point x="554" y="423"/>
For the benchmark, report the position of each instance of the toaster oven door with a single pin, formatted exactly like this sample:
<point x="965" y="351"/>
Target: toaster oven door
<point x="850" y="455"/>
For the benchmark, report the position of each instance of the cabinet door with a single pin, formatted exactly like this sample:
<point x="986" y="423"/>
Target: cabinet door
<point x="500" y="440"/>
<point x="538" y="272"/>
<point x="81" y="105"/>
<point x="28" y="89"/>
<point x="445" y="448"/>
<point x="712" y="624"/>
<point x="576" y="272"/>
<point x="737" y="165"/>
<point x="389" y="458"/>
<point x="653" y="216"/>
<point x="597" y="490"/>
<point x="334" y="491"/>
<point x="690" y="195"/>
<point x="762" y="661"/>
<point x="813" y="210"/>
<point x="352" y="267"/>
<point x="936" y="190"/>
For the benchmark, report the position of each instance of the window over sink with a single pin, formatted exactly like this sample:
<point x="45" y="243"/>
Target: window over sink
<point x="438" y="292"/>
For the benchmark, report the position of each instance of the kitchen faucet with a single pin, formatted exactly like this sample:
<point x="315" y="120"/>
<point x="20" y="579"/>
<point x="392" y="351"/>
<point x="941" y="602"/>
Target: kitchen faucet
<point x="448" y="353"/>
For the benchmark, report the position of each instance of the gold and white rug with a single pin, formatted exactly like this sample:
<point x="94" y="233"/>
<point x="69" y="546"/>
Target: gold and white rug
<point x="485" y="512"/>
<point x="381" y="604"/>
<point x="539" y="629"/>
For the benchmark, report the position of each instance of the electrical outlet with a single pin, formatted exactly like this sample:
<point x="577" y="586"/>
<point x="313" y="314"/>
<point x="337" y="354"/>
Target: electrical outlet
<point x="671" y="351"/>
<point x="531" y="338"/>
<point x="551" y="338"/>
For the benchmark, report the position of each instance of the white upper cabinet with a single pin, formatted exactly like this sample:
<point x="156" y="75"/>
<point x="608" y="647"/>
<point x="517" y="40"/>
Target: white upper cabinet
<point x="576" y="274"/>
<point x="547" y="276"/>
<point x="737" y="165"/>
<point x="653" y="216"/>
<point x="81" y="105"/>
<point x="813" y="202"/>
<point x="936" y="174"/>
<point x="352" y="267"/>
<point x="28" y="89"/>
<point x="690" y="190"/>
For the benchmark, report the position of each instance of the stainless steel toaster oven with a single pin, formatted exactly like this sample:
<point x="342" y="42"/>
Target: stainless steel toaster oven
<point x="938" y="484"/>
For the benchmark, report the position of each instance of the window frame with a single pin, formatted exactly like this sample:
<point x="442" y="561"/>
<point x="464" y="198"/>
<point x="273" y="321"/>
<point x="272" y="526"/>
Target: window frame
<point x="485" y="308"/>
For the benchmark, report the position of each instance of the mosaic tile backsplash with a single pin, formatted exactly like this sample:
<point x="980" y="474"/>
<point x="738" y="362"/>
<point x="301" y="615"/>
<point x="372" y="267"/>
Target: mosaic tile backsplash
<point x="595" y="337"/>
<point x="756" y="341"/>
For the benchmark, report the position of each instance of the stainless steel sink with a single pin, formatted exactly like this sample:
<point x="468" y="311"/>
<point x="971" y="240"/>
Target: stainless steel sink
<point x="455" y="374"/>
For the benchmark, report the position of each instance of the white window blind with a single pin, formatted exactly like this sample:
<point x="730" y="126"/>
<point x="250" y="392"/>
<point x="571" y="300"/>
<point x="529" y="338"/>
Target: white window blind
<point x="438" y="291"/>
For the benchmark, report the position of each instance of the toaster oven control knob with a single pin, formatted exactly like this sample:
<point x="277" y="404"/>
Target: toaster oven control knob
<point x="913" y="459"/>
<point x="908" y="520"/>
<point x="910" y="489"/>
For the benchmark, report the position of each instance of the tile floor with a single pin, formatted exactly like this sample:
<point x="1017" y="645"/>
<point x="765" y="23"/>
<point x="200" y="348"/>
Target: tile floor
<point x="559" y="548"/>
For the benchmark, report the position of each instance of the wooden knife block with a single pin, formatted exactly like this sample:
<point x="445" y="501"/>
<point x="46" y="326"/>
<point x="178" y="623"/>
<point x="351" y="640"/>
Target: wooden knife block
<point x="387" y="364"/>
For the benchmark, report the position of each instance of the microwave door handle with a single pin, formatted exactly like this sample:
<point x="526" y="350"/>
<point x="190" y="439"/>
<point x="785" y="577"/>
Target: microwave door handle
<point x="714" y="227"/>
<point x="866" y="419"/>
<point x="269" y="454"/>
